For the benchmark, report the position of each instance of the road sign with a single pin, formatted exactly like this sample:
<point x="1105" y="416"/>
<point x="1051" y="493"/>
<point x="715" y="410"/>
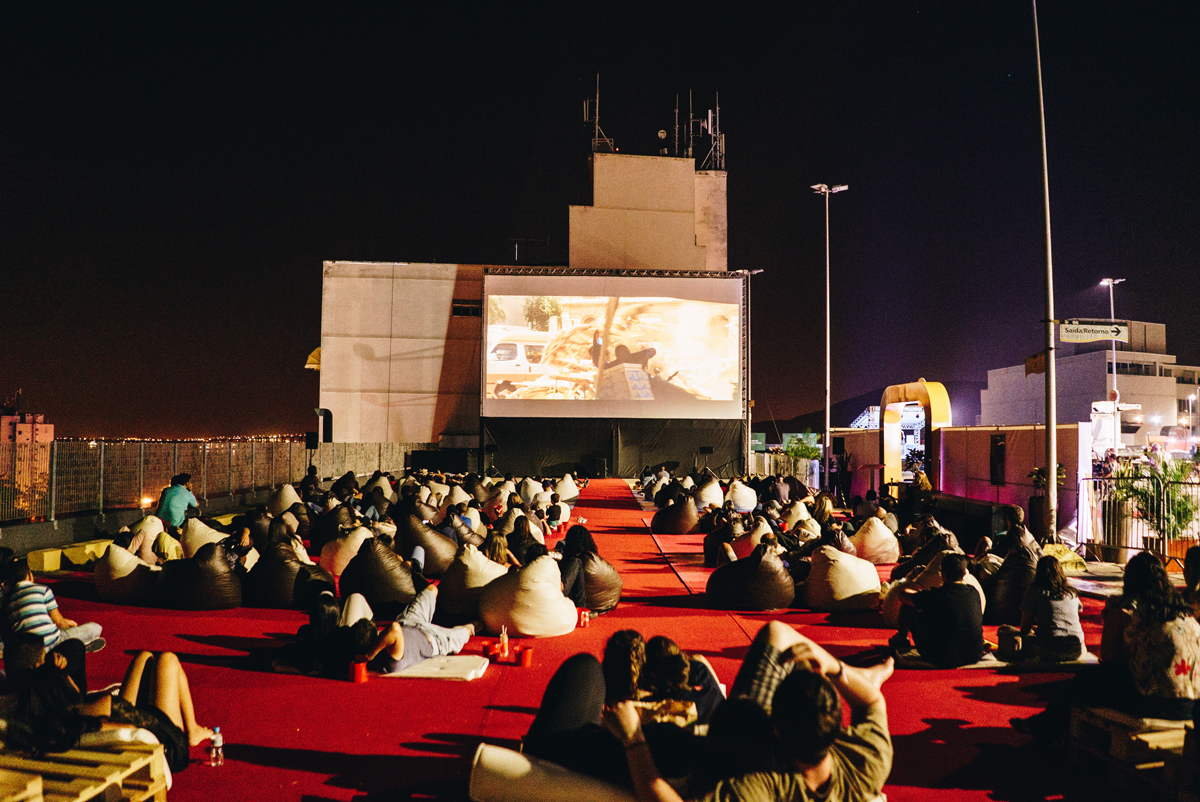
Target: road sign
<point x="1090" y="331"/>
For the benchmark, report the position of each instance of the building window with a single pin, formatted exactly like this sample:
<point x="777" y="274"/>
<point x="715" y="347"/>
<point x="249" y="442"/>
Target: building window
<point x="1166" y="371"/>
<point x="997" y="459"/>
<point x="464" y="308"/>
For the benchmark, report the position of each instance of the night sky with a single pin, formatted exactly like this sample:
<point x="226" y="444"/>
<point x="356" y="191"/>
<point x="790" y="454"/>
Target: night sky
<point x="172" y="177"/>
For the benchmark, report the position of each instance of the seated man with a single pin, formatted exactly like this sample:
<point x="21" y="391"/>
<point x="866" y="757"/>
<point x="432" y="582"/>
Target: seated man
<point x="946" y="622"/>
<point x="32" y="608"/>
<point x="778" y="736"/>
<point x="176" y="500"/>
<point x="408" y="640"/>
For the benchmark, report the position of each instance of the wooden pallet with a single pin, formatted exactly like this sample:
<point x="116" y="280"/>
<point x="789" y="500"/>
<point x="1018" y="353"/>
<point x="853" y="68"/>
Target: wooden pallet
<point x="78" y="554"/>
<point x="131" y="772"/>
<point x="1182" y="770"/>
<point x="16" y="786"/>
<point x="1130" y="752"/>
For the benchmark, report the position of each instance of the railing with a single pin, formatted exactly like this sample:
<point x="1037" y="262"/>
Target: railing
<point x="41" y="481"/>
<point x="765" y="463"/>
<point x="1122" y="515"/>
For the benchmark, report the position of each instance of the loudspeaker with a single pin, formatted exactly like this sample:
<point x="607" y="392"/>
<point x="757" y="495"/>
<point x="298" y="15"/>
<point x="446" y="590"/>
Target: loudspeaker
<point x="706" y="449"/>
<point x="311" y="441"/>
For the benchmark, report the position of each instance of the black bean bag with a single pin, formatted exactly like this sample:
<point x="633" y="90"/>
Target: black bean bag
<point x="203" y="582"/>
<point x="463" y="533"/>
<point x="796" y="489"/>
<point x="411" y="531"/>
<point x="602" y="583"/>
<point x="381" y="577"/>
<point x="681" y="518"/>
<point x="667" y="493"/>
<point x="759" y="582"/>
<point x="280" y="581"/>
<point x="473" y="485"/>
<point x="715" y="539"/>
<point x="299" y="511"/>
<point x="329" y="526"/>
<point x="1005" y="589"/>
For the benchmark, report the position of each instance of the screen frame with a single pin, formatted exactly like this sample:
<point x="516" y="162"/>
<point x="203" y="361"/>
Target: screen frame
<point x="615" y="410"/>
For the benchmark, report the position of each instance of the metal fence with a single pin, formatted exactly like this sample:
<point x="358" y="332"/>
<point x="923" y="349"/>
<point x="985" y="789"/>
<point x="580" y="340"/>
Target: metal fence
<point x="1120" y="516"/>
<point x="41" y="481"/>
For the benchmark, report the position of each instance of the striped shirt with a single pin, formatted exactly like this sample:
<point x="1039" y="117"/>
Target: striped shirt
<point x="29" y="610"/>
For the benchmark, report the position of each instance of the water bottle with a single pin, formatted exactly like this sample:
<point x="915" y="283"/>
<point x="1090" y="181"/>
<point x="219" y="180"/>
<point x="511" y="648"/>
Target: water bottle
<point x="216" y="748"/>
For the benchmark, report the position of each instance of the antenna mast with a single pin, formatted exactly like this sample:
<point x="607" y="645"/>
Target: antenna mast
<point x="591" y="114"/>
<point x="715" y="160"/>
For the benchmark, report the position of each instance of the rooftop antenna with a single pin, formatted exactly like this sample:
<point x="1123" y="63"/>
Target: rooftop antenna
<point x="715" y="160"/>
<point x="591" y="114"/>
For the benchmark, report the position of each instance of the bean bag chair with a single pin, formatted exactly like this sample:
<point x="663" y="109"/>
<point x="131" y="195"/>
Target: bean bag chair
<point x="149" y="527"/>
<point x="1006" y="588"/>
<point x="327" y="527"/>
<point x="680" y="518"/>
<point x="746" y="543"/>
<point x="464" y="533"/>
<point x="759" y="582"/>
<point x="195" y="534"/>
<point x="793" y="513"/>
<point x="283" y="498"/>
<point x="167" y="548"/>
<point x="439" y="549"/>
<point x="808" y="529"/>
<point x="463" y="582"/>
<point x="203" y="582"/>
<point x="337" y="554"/>
<point x="438" y="488"/>
<point x="715" y="540"/>
<point x="602" y="583"/>
<point x="710" y="493"/>
<point x="457" y="495"/>
<point x="280" y="581"/>
<point x="839" y="581"/>
<point x="502" y="775"/>
<point x="668" y="493"/>
<point x="383" y="484"/>
<point x="652" y="491"/>
<point x="688" y="482"/>
<point x="299" y="514"/>
<point x="797" y="490"/>
<point x="122" y="578"/>
<point x="529" y="489"/>
<point x="744" y="498"/>
<point x="568" y="491"/>
<point x="875" y="543"/>
<point x="528" y="602"/>
<point x="381" y="577"/>
<point x="423" y="494"/>
<point x="475" y="486"/>
<point x="425" y="512"/>
<point x="505" y="523"/>
<point x="923" y="579"/>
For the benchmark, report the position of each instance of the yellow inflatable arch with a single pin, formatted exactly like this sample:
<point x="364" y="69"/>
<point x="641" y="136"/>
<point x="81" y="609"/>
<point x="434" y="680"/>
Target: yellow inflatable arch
<point x="930" y="395"/>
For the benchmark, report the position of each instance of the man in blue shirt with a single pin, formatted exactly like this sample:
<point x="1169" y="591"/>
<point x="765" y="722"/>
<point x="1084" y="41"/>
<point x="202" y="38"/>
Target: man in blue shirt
<point x="175" y="500"/>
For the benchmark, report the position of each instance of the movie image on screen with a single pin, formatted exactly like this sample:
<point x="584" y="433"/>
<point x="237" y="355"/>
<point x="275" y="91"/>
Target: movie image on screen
<point x="611" y="349"/>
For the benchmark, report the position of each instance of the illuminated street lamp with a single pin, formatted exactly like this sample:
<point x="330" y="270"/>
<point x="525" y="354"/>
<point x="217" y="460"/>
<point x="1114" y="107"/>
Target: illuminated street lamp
<point x="826" y="190"/>
<point x="1112" y="316"/>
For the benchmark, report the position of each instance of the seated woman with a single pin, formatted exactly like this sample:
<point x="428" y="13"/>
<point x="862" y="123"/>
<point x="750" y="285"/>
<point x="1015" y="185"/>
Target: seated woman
<point x="520" y="539"/>
<point x="1051" y="607"/>
<point x="155" y="695"/>
<point x="495" y="548"/>
<point x="1150" y="656"/>
<point x="671" y="673"/>
<point x="577" y="542"/>
<point x="1191" y="579"/>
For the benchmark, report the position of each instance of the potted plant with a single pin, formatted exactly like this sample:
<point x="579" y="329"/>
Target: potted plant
<point x="1039" y="507"/>
<point x="1162" y="499"/>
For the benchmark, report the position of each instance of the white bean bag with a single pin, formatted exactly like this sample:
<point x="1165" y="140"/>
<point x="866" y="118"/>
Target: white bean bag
<point x="337" y="553"/>
<point x="809" y="527"/>
<point x="463" y="582"/>
<point x="458" y="496"/>
<point x="167" y="547"/>
<point x="688" y="482"/>
<point x="502" y="775"/>
<point x="568" y="491"/>
<point x="122" y="578"/>
<point x="423" y="494"/>
<point x="744" y="498"/>
<point x="875" y="543"/>
<point x="794" y="513"/>
<point x="530" y="487"/>
<point x="151" y="526"/>
<point x="290" y="522"/>
<point x="281" y="499"/>
<point x="839" y="581"/>
<point x="439" y="488"/>
<point x="528" y="602"/>
<point x="383" y="484"/>
<point x="196" y="533"/>
<point x="710" y="494"/>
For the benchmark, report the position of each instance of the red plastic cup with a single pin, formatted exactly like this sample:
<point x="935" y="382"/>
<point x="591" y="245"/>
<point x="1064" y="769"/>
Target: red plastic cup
<point x="585" y="616"/>
<point x="358" y="671"/>
<point x="526" y="656"/>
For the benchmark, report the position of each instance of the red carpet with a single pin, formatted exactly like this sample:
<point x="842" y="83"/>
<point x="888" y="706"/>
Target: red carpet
<point x="300" y="738"/>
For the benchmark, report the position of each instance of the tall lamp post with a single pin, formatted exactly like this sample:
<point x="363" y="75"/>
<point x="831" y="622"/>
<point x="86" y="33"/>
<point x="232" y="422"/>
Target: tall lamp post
<point x="826" y="446"/>
<point x="1112" y="316"/>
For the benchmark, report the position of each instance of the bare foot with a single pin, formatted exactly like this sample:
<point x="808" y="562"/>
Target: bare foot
<point x="878" y="674"/>
<point x="199" y="735"/>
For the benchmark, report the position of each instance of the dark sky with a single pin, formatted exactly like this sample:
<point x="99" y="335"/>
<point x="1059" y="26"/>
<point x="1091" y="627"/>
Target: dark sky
<point x="172" y="177"/>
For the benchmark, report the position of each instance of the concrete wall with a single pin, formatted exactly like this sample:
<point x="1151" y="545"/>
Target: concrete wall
<point x="396" y="365"/>
<point x="650" y="213"/>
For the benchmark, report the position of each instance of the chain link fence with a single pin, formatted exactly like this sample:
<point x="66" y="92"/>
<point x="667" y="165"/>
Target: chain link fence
<point x="41" y="481"/>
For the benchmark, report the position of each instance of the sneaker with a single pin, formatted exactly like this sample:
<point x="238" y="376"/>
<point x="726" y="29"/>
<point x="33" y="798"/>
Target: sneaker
<point x="899" y="642"/>
<point x="96" y="645"/>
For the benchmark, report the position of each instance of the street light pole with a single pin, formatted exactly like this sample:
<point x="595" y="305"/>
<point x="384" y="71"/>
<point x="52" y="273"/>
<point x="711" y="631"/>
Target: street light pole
<point x="827" y="443"/>
<point x="1112" y="316"/>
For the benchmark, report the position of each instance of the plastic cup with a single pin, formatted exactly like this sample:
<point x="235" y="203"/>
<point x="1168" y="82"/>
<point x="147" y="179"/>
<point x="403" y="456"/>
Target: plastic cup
<point x="526" y="656"/>
<point x="358" y="671"/>
<point x="585" y="617"/>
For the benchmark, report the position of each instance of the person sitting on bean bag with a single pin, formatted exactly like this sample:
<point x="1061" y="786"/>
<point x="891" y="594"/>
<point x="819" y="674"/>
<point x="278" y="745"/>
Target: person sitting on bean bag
<point x="463" y="582"/>
<point x="839" y="581"/>
<point x="204" y="582"/>
<point x="387" y="582"/>
<point x="528" y="602"/>
<point x="759" y="582"/>
<point x="122" y="578"/>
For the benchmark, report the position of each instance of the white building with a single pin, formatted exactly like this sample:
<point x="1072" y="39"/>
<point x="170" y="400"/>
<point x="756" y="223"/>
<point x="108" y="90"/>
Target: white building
<point x="1146" y="375"/>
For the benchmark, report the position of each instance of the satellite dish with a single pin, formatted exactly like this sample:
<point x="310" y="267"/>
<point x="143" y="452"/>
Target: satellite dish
<point x="662" y="134"/>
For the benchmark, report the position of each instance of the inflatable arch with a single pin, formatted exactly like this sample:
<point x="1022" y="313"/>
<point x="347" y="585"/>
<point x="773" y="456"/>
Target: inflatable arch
<point x="933" y="398"/>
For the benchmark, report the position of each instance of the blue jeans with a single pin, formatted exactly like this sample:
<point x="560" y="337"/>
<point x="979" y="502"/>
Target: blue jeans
<point x="84" y="632"/>
<point x="419" y="614"/>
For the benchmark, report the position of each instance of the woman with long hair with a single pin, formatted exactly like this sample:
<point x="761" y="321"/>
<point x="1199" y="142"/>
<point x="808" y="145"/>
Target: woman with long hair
<point x="1051" y="607"/>
<point x="671" y="673"/>
<point x="520" y="539"/>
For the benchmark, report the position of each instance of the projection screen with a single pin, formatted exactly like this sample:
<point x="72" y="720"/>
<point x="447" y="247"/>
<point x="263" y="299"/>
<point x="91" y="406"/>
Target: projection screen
<point x="612" y="345"/>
